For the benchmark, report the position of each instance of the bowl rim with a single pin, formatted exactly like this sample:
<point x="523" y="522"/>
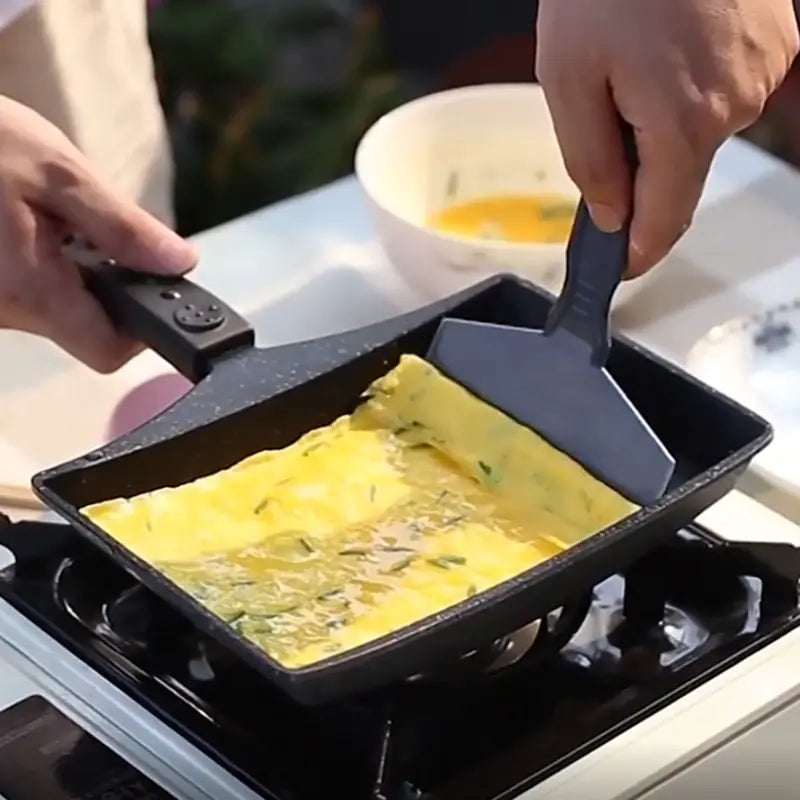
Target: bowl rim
<point x="435" y="98"/>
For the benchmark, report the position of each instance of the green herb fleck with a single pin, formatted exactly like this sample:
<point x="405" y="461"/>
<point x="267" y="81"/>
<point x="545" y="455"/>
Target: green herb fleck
<point x="441" y="497"/>
<point x="472" y="591"/>
<point x="401" y="565"/>
<point x="353" y="551"/>
<point x="406" y="427"/>
<point x="395" y="549"/>
<point x="238" y="584"/>
<point x="312" y="448"/>
<point x="447" y="561"/>
<point x="328" y="595"/>
<point x="148" y="525"/>
<point x="238" y="616"/>
<point x="306" y="545"/>
<point x="485" y="468"/>
<point x="263" y="629"/>
<point x="261" y="506"/>
<point x="280" y="613"/>
<point x="372" y="492"/>
<point x="557" y="211"/>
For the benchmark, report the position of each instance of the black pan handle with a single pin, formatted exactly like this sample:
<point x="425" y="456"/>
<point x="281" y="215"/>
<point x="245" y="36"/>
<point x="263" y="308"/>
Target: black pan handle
<point x="181" y="321"/>
<point x="596" y="262"/>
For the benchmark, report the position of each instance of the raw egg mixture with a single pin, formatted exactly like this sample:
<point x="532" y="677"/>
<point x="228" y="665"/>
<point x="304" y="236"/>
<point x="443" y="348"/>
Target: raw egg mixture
<point x="423" y="497"/>
<point x="538" y="219"/>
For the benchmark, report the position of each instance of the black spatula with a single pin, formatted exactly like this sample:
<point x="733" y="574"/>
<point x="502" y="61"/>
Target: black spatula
<point x="555" y="381"/>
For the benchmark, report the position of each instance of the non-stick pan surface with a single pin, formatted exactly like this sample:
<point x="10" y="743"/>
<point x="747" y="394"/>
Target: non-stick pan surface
<point x="251" y="400"/>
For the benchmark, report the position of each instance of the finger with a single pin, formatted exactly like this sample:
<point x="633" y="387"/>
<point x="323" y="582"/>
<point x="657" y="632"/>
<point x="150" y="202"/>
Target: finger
<point x="117" y="227"/>
<point x="68" y="314"/>
<point x="587" y="126"/>
<point x="667" y="189"/>
<point x="87" y="336"/>
<point x="76" y="322"/>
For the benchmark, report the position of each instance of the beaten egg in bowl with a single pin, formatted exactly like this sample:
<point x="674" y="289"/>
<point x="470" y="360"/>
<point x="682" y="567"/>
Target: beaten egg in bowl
<point x="534" y="218"/>
<point x="423" y="496"/>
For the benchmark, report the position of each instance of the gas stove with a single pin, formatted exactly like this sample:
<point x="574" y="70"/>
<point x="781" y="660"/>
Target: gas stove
<point x="500" y="721"/>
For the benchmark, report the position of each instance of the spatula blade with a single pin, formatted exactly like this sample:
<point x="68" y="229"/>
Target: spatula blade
<point x="557" y="392"/>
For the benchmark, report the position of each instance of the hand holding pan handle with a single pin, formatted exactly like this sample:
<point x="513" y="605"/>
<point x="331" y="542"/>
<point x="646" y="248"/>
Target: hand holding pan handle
<point x="183" y="323"/>
<point x="596" y="262"/>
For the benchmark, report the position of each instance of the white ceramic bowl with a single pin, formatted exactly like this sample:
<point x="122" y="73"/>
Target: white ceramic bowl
<point x="454" y="146"/>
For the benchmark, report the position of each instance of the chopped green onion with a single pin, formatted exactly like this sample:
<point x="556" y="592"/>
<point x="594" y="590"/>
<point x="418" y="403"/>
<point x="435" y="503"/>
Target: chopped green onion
<point x="304" y="543"/>
<point x="447" y="561"/>
<point x="401" y="565"/>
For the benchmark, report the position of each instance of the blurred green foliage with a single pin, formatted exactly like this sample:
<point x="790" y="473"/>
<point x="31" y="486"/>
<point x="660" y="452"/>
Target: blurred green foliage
<point x="265" y="99"/>
<point x="268" y="98"/>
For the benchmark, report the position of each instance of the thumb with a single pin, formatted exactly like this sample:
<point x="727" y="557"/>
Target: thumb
<point x="587" y="126"/>
<point x="121" y="230"/>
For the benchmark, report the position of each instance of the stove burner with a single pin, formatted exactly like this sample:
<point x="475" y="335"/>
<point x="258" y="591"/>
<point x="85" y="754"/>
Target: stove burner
<point x="499" y="720"/>
<point x="127" y="616"/>
<point x="521" y="649"/>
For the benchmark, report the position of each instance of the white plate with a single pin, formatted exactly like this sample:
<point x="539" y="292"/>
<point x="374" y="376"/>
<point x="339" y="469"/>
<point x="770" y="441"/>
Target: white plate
<point x="756" y="361"/>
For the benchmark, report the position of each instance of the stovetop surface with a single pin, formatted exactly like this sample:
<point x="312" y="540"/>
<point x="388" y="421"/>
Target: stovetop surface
<point x="480" y="731"/>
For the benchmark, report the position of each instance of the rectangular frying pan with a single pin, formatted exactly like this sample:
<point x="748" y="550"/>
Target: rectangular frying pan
<point x="247" y="400"/>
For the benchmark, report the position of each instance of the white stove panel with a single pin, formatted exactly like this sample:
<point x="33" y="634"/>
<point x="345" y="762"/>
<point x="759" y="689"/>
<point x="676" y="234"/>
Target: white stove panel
<point x="32" y="663"/>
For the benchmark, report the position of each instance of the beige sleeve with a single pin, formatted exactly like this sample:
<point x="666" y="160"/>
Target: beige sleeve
<point x="86" y="66"/>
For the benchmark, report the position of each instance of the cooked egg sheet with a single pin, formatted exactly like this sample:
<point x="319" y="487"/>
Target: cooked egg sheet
<point x="422" y="497"/>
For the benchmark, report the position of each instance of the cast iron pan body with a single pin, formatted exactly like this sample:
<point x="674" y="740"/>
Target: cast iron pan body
<point x="251" y="400"/>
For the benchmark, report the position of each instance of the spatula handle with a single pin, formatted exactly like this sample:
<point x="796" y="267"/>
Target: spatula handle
<point x="596" y="262"/>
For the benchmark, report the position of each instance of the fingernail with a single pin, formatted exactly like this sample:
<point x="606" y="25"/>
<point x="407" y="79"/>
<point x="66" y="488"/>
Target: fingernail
<point x="635" y="260"/>
<point x="176" y="255"/>
<point x="607" y="218"/>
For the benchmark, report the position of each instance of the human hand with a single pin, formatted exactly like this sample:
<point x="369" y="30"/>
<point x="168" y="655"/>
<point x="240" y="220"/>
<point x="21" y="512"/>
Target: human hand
<point x="686" y="74"/>
<point x="47" y="192"/>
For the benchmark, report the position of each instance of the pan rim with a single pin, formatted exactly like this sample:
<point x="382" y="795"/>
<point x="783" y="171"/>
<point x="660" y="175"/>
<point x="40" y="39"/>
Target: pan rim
<point x="291" y="679"/>
<point x="495" y="595"/>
